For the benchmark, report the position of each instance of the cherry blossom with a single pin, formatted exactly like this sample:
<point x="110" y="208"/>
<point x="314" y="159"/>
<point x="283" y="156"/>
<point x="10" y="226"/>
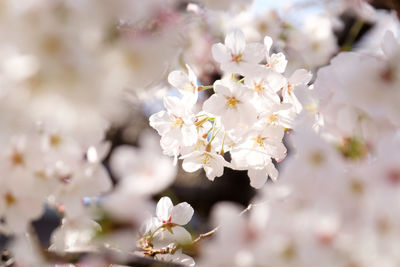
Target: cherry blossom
<point x="212" y="163"/>
<point x="232" y="103"/>
<point x="176" y="125"/>
<point x="303" y="100"/>
<point x="235" y="56"/>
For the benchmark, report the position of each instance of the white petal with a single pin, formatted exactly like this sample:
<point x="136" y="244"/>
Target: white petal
<point x="390" y="45"/>
<point x="223" y="87"/>
<point x="164" y="207"/>
<point x="160" y="122"/>
<point x="236" y="42"/>
<point x="179" y="79"/>
<point x="175" y="105"/>
<point x="191" y="164"/>
<point x="300" y="76"/>
<point x="220" y="53"/>
<point x="185" y="260"/>
<point x="192" y="76"/>
<point x="182" y="213"/>
<point x="278" y="62"/>
<point x="122" y="160"/>
<point x="254" y="53"/>
<point x="181" y="235"/>
<point x="215" y="105"/>
<point x="258" y="177"/>
<point x="268" y="44"/>
<point x="189" y="134"/>
<point x="272" y="171"/>
<point x="215" y="168"/>
<point x="276" y="81"/>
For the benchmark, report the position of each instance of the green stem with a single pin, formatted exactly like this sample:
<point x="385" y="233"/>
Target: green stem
<point x="202" y="88"/>
<point x="156" y="230"/>
<point x="353" y="33"/>
<point x="222" y="147"/>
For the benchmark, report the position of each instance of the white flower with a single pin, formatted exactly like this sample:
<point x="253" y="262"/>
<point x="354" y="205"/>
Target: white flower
<point x="278" y="115"/>
<point x="258" y="147"/>
<point x="232" y="103"/>
<point x="170" y="220"/>
<point x="178" y="257"/>
<point x="169" y="214"/>
<point x="278" y="61"/>
<point x="75" y="235"/>
<point x="235" y="56"/>
<point x="176" y="125"/>
<point x="320" y="44"/>
<point x="19" y="204"/>
<point x="265" y="82"/>
<point x="145" y="169"/>
<point x="212" y="163"/>
<point x="186" y="83"/>
<point x="298" y="78"/>
<point x="258" y="176"/>
<point x="78" y="181"/>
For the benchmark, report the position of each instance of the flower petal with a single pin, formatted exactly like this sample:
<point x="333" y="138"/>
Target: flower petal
<point x="258" y="177"/>
<point x="300" y="76"/>
<point x="182" y="213"/>
<point x="235" y="42"/>
<point x="268" y="44"/>
<point x="220" y="53"/>
<point x="164" y="207"/>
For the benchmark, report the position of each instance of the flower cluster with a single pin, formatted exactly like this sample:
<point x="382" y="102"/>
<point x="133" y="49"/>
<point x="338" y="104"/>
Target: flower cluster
<point x="79" y="95"/>
<point x="337" y="193"/>
<point x="247" y="115"/>
<point x="165" y="231"/>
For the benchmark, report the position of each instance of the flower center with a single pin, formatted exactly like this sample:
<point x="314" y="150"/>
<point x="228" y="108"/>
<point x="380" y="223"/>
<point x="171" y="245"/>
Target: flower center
<point x="168" y="221"/>
<point x="206" y="159"/>
<point x="259" y="141"/>
<point x="55" y="140"/>
<point x="231" y="102"/>
<point x="17" y="158"/>
<point x="258" y="88"/>
<point x="290" y="89"/>
<point x="178" y="122"/>
<point x="10" y="199"/>
<point x="317" y="158"/>
<point x="356" y="187"/>
<point x="190" y="87"/>
<point x="273" y="118"/>
<point x="237" y="58"/>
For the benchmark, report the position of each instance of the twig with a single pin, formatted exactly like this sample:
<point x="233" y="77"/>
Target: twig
<point x="150" y="251"/>
<point x="205" y="235"/>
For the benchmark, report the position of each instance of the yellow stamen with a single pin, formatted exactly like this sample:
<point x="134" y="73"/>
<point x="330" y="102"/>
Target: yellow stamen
<point x="317" y="158"/>
<point x="206" y="159"/>
<point x="55" y="140"/>
<point x="17" y="158"/>
<point x="178" y="122"/>
<point x="190" y="87"/>
<point x="258" y="88"/>
<point x="290" y="88"/>
<point x="273" y="118"/>
<point x="259" y="141"/>
<point x="237" y="58"/>
<point x="231" y="102"/>
<point x="10" y="199"/>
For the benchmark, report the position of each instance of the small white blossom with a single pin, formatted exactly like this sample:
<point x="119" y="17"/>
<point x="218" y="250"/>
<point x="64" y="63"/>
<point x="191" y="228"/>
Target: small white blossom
<point x="232" y="103"/>
<point x="212" y="163"/>
<point x="236" y="56"/>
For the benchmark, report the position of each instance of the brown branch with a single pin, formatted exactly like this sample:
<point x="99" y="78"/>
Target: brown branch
<point x="205" y="235"/>
<point x="150" y="251"/>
